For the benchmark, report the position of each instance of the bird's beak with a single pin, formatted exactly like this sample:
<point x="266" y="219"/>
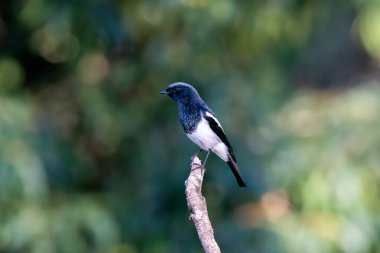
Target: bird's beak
<point x="164" y="92"/>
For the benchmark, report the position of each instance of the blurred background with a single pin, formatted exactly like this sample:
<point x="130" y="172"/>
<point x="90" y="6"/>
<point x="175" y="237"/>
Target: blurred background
<point x="93" y="159"/>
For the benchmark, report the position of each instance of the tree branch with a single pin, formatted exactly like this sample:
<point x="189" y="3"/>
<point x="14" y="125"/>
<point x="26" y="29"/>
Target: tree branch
<point x="197" y="206"/>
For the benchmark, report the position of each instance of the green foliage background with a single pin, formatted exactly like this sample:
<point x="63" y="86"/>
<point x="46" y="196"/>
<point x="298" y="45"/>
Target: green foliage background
<point x="93" y="159"/>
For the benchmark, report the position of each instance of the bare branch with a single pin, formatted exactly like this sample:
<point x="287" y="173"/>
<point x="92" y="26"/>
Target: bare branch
<point x="198" y="208"/>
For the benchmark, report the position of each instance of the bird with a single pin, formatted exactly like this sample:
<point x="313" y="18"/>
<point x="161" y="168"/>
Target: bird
<point x="201" y="125"/>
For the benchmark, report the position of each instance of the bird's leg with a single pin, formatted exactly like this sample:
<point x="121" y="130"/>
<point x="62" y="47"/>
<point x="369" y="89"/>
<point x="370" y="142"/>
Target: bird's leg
<point x="204" y="163"/>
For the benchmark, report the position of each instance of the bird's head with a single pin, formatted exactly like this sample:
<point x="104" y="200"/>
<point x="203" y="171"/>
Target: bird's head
<point x="181" y="92"/>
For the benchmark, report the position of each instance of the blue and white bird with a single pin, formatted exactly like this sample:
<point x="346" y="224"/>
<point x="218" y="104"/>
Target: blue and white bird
<point x="201" y="125"/>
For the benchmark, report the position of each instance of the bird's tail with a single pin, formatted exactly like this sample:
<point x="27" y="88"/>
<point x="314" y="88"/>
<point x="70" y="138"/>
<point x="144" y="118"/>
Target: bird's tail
<point x="232" y="163"/>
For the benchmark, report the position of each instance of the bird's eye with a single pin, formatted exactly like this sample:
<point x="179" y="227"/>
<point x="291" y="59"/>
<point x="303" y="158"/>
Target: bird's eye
<point x="176" y="89"/>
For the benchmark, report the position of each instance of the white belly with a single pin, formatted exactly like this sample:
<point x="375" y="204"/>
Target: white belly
<point x="206" y="139"/>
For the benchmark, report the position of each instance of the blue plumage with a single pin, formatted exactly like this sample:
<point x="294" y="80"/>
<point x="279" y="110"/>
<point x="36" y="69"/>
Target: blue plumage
<point x="201" y="125"/>
<point x="189" y="104"/>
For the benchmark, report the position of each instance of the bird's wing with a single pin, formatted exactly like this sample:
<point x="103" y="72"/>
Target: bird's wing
<point x="218" y="130"/>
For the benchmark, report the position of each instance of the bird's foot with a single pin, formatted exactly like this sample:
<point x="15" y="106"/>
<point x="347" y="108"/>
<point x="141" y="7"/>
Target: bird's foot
<point x="204" y="163"/>
<point x="196" y="155"/>
<point x="195" y="162"/>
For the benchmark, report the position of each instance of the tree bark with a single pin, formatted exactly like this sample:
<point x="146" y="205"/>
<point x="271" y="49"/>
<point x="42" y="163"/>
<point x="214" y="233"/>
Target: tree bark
<point x="198" y="208"/>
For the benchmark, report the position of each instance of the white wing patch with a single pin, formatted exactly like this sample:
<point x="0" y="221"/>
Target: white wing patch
<point x="217" y="121"/>
<point x="205" y="138"/>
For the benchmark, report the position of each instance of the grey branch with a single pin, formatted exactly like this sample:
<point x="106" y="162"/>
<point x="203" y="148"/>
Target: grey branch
<point x="197" y="206"/>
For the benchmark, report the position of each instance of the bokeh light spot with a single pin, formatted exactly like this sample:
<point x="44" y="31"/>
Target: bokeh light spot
<point x="369" y="29"/>
<point x="11" y="74"/>
<point x="55" y="47"/>
<point x="93" y="68"/>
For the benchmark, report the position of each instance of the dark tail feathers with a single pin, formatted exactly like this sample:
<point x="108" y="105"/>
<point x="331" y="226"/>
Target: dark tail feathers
<point x="236" y="171"/>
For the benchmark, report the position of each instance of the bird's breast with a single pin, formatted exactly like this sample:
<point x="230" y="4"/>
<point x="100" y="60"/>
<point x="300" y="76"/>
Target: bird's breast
<point x="189" y="116"/>
<point x="206" y="139"/>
